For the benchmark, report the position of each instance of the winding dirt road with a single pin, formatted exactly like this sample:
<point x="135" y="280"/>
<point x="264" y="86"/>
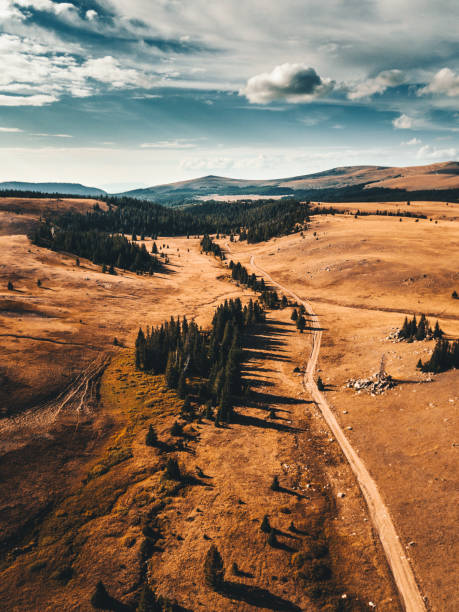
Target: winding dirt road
<point x="396" y="556"/>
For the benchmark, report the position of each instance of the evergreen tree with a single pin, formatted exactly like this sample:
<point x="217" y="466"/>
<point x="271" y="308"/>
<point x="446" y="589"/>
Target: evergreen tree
<point x="438" y="333"/>
<point x="320" y="384"/>
<point x="100" y="599"/>
<point x="151" y="437"/>
<point x="275" y="484"/>
<point x="10" y="286"/>
<point x="301" y="324"/>
<point x="454" y="295"/>
<point x="182" y="386"/>
<point x="272" y="540"/>
<point x="294" y="316"/>
<point x="265" y="526"/>
<point x="172" y="471"/>
<point x="214" y="569"/>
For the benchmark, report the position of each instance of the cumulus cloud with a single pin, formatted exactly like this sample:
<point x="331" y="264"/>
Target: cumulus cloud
<point x="378" y="84"/>
<point x="33" y="76"/>
<point x="428" y="152"/>
<point x="413" y="141"/>
<point x="403" y="122"/>
<point x="289" y="82"/>
<point x="57" y="8"/>
<point x="10" y="130"/>
<point x="445" y="82"/>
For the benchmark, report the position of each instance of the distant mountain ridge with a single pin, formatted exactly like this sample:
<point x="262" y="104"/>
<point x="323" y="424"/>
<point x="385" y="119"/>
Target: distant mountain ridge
<point x="64" y="188"/>
<point x="441" y="176"/>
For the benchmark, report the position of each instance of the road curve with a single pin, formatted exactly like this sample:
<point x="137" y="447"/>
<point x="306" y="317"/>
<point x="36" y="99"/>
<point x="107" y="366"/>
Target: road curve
<point x="379" y="514"/>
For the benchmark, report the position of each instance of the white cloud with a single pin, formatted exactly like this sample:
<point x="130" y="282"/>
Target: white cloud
<point x="413" y="141"/>
<point x="378" y="84"/>
<point x="91" y="15"/>
<point x="10" y="130"/>
<point x="290" y="82"/>
<point x="428" y="152"/>
<point x="36" y="100"/>
<point x="403" y="122"/>
<point x="57" y="8"/>
<point x="444" y="82"/>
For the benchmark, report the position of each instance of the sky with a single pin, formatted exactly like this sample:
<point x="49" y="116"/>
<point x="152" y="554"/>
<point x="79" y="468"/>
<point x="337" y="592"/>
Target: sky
<point x="125" y="93"/>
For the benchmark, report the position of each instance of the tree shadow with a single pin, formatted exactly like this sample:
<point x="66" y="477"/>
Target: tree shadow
<point x="252" y="421"/>
<point x="256" y="596"/>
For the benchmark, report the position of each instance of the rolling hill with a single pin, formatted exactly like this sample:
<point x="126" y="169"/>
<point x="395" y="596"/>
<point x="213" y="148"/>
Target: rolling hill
<point x="337" y="182"/>
<point x="64" y="188"/>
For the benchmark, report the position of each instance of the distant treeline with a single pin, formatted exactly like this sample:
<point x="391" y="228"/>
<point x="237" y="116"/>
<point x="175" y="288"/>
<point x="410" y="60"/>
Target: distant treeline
<point x="182" y="351"/>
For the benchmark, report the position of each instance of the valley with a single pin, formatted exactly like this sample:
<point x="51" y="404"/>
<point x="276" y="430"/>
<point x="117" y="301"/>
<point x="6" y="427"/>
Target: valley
<point x="82" y="494"/>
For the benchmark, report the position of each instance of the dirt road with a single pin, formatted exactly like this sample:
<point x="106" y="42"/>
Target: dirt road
<point x="396" y="556"/>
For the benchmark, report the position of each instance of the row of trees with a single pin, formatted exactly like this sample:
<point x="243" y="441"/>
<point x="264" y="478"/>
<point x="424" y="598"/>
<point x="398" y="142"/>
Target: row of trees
<point x="414" y="330"/>
<point x="444" y="357"/>
<point x="181" y="351"/>
<point x="100" y="247"/>
<point x="268" y="297"/>
<point x="208" y="246"/>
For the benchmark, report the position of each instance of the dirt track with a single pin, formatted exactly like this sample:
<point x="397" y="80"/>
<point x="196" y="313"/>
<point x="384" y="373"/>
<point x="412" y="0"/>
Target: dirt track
<point x="400" y="567"/>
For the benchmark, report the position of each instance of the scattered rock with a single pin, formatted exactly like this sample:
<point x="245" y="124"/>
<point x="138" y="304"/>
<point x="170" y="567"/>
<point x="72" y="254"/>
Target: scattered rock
<point x="341" y="495"/>
<point x="375" y="384"/>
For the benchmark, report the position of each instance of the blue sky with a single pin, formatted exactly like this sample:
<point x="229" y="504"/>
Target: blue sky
<point x="119" y="94"/>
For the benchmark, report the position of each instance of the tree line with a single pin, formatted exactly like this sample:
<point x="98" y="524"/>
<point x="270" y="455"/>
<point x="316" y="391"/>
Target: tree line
<point x="99" y="247"/>
<point x="268" y="297"/>
<point x="182" y="351"/>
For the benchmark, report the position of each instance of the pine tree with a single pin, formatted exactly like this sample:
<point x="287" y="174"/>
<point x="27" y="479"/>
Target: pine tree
<point x="100" y="599"/>
<point x="265" y="526"/>
<point x="38" y="283"/>
<point x="419" y="364"/>
<point x="301" y="323"/>
<point x="275" y="484"/>
<point x="454" y="295"/>
<point x="320" y="384"/>
<point x="176" y="429"/>
<point x="172" y="471"/>
<point x="182" y="386"/>
<point x="438" y="333"/>
<point x="10" y="286"/>
<point x="214" y="569"/>
<point x="272" y="540"/>
<point x="151" y="438"/>
<point x="294" y="316"/>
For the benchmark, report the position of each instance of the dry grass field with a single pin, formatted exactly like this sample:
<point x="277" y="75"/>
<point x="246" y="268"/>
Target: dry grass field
<point x="362" y="276"/>
<point x="82" y="493"/>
